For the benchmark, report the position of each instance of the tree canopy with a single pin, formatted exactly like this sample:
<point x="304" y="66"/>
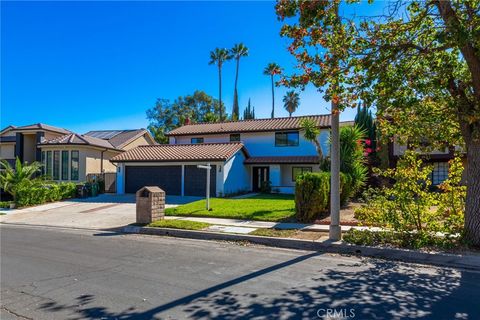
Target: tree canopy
<point x="167" y="115"/>
<point x="419" y="64"/>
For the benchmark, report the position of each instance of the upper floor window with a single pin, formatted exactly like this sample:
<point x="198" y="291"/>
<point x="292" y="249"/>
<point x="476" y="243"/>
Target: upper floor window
<point x="286" y="139"/>
<point x="196" y="140"/>
<point x="235" y="137"/>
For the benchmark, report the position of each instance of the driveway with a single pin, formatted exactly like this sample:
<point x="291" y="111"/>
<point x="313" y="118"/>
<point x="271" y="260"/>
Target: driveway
<point x="106" y="211"/>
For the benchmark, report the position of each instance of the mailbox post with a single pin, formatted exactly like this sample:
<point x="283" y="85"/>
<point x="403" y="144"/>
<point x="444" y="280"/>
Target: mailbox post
<point x="208" y="167"/>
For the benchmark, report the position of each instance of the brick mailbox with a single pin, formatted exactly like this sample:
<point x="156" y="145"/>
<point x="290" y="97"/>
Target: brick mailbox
<point x="150" y="204"/>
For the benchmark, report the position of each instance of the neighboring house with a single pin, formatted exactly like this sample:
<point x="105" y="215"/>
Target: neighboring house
<point x="438" y="158"/>
<point x="22" y="141"/>
<point x="68" y="156"/>
<point x="243" y="155"/>
<point x="73" y="156"/>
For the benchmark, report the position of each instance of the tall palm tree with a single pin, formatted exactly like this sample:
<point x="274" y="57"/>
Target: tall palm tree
<point x="291" y="101"/>
<point x="271" y="70"/>
<point x="218" y="57"/>
<point x="239" y="50"/>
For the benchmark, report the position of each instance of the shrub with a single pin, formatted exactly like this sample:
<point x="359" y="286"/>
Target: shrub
<point x="5" y="204"/>
<point x="408" y="208"/>
<point x="312" y="195"/>
<point x="266" y="187"/>
<point x="38" y="192"/>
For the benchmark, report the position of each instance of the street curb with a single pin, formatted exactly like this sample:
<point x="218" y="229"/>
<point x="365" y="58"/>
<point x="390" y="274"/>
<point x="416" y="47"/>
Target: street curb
<point x="436" y="259"/>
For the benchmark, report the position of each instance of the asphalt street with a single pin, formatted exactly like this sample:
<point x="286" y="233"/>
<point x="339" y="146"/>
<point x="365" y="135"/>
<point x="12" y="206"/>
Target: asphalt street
<point x="52" y="273"/>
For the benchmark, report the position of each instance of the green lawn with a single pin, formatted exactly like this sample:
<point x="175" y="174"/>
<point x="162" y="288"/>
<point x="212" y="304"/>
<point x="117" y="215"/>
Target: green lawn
<point x="179" y="224"/>
<point x="264" y="207"/>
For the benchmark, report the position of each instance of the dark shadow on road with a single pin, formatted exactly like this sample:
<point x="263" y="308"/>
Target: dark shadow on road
<point x="375" y="290"/>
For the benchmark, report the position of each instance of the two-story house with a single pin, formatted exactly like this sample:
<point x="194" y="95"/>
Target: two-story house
<point x="439" y="159"/>
<point x="65" y="155"/>
<point x="242" y="154"/>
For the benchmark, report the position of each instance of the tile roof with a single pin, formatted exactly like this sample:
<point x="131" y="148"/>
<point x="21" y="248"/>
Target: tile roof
<point x="78" y="139"/>
<point x="118" y="138"/>
<point x="255" y="125"/>
<point x="283" y="160"/>
<point x="41" y="126"/>
<point x="181" y="152"/>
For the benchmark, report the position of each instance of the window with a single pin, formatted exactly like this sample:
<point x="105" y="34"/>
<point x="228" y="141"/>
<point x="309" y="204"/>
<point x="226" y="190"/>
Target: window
<point x="196" y="140"/>
<point x="439" y="173"/>
<point x="56" y="165"/>
<point x="296" y="171"/>
<point x="64" y="165"/>
<point x="235" y="137"/>
<point x="286" y="139"/>
<point x="48" y="164"/>
<point x="74" y="165"/>
<point x="43" y="162"/>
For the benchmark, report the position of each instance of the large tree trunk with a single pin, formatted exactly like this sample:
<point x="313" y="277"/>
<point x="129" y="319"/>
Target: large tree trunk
<point x="472" y="205"/>
<point x="273" y="99"/>
<point x="220" y="91"/>
<point x="236" y="109"/>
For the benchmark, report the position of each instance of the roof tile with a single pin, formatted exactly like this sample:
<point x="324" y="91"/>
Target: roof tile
<point x="181" y="152"/>
<point x="254" y="125"/>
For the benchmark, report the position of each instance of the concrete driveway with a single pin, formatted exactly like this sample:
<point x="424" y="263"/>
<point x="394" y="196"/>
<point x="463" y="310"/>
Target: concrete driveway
<point x="106" y="211"/>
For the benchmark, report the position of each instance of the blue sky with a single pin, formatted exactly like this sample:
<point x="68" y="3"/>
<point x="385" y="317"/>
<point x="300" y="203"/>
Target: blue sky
<point x="100" y="65"/>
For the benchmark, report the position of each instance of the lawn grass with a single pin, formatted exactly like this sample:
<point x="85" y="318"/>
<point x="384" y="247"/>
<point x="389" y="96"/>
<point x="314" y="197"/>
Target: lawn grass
<point x="287" y="233"/>
<point x="263" y="207"/>
<point x="179" y="224"/>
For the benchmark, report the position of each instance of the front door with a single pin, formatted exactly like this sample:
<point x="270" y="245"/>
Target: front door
<point x="260" y="175"/>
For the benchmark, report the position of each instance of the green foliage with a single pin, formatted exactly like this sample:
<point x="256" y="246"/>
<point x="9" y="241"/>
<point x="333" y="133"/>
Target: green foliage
<point x="218" y="57"/>
<point x="418" y="65"/>
<point x="5" y="204"/>
<point x="238" y="51"/>
<point x="364" y="121"/>
<point x="11" y="178"/>
<point x="272" y="69"/>
<point x="414" y="215"/>
<point x="266" y="187"/>
<point x="33" y="192"/>
<point x="311" y="132"/>
<point x="249" y="112"/>
<point x="166" y="116"/>
<point x="291" y="101"/>
<point x="179" y="224"/>
<point x="352" y="158"/>
<point x="451" y="201"/>
<point x="312" y="195"/>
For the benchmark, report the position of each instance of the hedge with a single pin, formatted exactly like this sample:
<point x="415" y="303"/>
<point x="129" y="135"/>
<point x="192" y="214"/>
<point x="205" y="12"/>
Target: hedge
<point x="38" y="193"/>
<point x="312" y="195"/>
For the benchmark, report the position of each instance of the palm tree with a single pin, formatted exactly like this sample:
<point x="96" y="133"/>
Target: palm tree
<point x="218" y="57"/>
<point x="239" y="50"/>
<point x="271" y="70"/>
<point x="291" y="101"/>
<point x="11" y="178"/>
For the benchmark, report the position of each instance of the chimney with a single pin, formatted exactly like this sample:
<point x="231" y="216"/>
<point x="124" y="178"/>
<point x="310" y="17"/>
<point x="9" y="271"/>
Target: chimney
<point x="187" y="121"/>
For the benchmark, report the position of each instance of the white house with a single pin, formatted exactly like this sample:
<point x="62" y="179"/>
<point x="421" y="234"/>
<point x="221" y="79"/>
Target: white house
<point x="243" y="155"/>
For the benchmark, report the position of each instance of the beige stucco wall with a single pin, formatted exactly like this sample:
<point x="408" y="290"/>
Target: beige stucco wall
<point x="93" y="161"/>
<point x="141" y="141"/>
<point x="7" y="151"/>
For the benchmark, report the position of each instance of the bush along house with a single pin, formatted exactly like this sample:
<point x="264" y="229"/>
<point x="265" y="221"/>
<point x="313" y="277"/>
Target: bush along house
<point x="248" y="155"/>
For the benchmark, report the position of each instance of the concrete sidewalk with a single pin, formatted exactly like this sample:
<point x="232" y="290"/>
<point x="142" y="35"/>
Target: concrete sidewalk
<point x="262" y="224"/>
